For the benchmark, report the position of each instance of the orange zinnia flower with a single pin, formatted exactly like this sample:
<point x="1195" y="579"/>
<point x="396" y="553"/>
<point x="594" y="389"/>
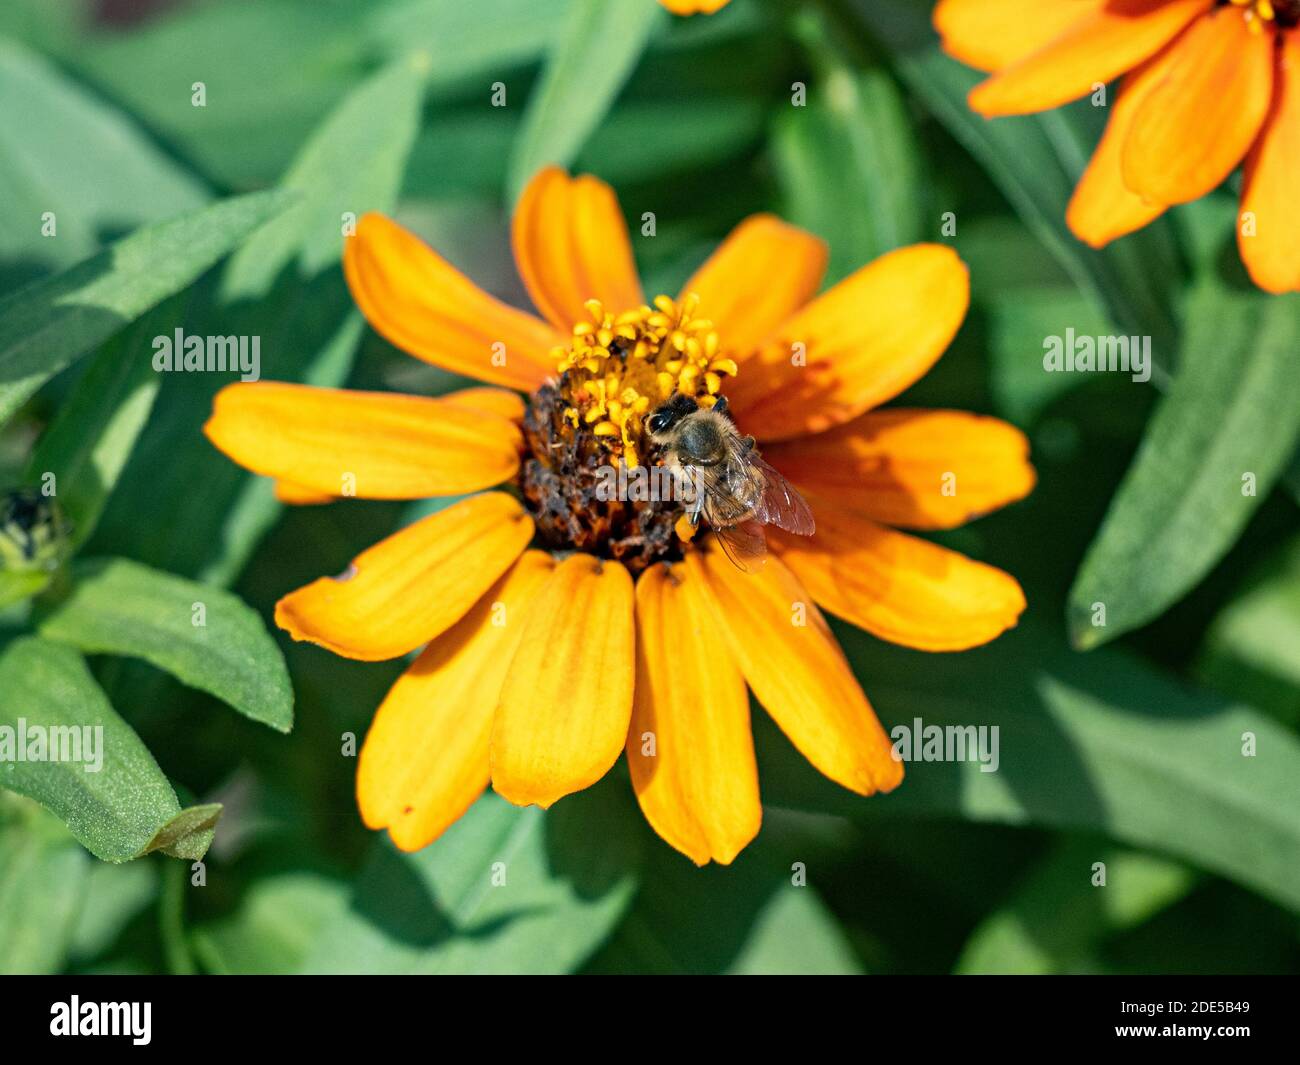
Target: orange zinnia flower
<point x="1209" y="84"/>
<point x="541" y="668"/>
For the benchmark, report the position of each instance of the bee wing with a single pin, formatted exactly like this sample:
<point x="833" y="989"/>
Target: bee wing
<point x="722" y="493"/>
<point x="744" y="544"/>
<point x="782" y="505"/>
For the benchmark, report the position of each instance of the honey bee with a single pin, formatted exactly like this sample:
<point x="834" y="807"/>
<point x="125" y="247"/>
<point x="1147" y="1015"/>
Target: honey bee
<point x="735" y="490"/>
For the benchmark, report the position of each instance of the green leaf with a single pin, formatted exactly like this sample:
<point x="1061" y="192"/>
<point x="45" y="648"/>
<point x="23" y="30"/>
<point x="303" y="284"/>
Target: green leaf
<point x="49" y="128"/>
<point x="123" y="809"/>
<point x="87" y="445"/>
<point x="617" y="149"/>
<point x="597" y="48"/>
<point x="279" y="918"/>
<point x="466" y="42"/>
<point x="1212" y="450"/>
<point x="848" y="160"/>
<point x="115" y="896"/>
<point x="1098" y="743"/>
<point x="189" y="834"/>
<point x="1028" y="936"/>
<point x="794" y="933"/>
<point x="269" y="69"/>
<point x="1291" y="477"/>
<point x="748" y="917"/>
<point x="49" y="323"/>
<point x="1019" y="317"/>
<point x="50" y="27"/>
<point x="352" y="163"/>
<point x="205" y="637"/>
<point x="207" y="515"/>
<point x="43" y="882"/>
<point x="464" y="151"/>
<point x="1252" y="648"/>
<point x="15" y="586"/>
<point x="849" y="167"/>
<point x="309" y="329"/>
<point x="505" y="890"/>
<point x="1036" y="161"/>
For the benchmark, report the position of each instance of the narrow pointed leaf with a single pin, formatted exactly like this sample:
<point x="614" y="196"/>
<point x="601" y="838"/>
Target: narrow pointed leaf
<point x="351" y="164"/>
<point x="49" y="323"/>
<point x="597" y="48"/>
<point x="1211" y="453"/>
<point x="57" y="208"/>
<point x="87" y="445"/>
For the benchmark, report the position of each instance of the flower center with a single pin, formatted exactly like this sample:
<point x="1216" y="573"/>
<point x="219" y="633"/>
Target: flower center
<point x="586" y="433"/>
<point x="1258" y="13"/>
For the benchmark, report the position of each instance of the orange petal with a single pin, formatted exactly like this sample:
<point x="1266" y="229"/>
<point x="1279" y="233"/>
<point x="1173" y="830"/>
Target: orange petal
<point x="694" y="7"/>
<point x="496" y="401"/>
<point x="374" y="445"/>
<point x="925" y="469"/>
<point x="1104" y="44"/>
<point x="992" y="34"/>
<point x="500" y="402"/>
<point x="413" y="585"/>
<point x="299" y="496"/>
<point x="689" y="749"/>
<point x="571" y="245"/>
<point x="864" y="341"/>
<point x="567" y="699"/>
<point x="1200" y="121"/>
<point x="425" y="759"/>
<point x="797" y="670"/>
<point x="415" y="299"/>
<point x="1103" y="208"/>
<point x="1271" y="248"/>
<point x="901" y="588"/>
<point x="760" y="275"/>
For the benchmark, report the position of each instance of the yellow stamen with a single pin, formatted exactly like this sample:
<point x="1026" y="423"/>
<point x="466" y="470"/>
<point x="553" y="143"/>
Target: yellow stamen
<point x="1257" y="12"/>
<point x="618" y="367"/>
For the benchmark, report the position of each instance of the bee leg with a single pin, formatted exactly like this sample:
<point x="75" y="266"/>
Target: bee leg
<point x="721" y="407"/>
<point x="747" y="445"/>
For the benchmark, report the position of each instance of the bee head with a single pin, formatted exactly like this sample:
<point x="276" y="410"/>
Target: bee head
<point x="668" y="414"/>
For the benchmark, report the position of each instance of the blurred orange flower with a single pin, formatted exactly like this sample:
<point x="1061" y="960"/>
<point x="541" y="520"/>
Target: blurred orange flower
<point x="541" y="668"/>
<point x="1207" y="85"/>
<point x="694" y="7"/>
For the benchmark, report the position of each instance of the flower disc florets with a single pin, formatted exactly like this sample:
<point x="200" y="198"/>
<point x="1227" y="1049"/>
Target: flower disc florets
<point x="615" y="371"/>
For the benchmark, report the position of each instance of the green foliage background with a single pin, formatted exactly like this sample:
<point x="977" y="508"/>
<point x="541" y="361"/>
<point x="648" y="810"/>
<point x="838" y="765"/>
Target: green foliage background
<point x="1128" y="754"/>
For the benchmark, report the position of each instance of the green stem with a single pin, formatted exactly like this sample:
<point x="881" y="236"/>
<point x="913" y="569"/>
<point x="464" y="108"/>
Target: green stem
<point x="171" y="919"/>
